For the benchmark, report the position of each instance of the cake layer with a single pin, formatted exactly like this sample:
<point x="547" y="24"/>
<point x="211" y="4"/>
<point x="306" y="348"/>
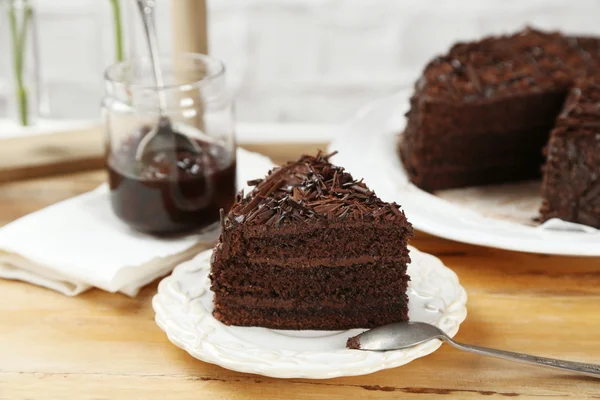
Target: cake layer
<point x="324" y="319"/>
<point x="511" y="113"/>
<point x="307" y="261"/>
<point x="314" y="291"/>
<point x="481" y="148"/>
<point x="299" y="264"/>
<point x="340" y="301"/>
<point x="445" y="178"/>
<point x="290" y="282"/>
<point x="443" y="160"/>
<point x="323" y="241"/>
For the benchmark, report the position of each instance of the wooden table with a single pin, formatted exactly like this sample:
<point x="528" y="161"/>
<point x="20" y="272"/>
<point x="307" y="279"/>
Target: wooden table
<point x="107" y="346"/>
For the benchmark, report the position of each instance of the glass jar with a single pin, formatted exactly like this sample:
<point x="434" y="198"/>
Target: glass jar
<point x="186" y="173"/>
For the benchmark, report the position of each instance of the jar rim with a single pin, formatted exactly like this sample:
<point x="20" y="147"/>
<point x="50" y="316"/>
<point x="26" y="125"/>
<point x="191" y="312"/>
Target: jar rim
<point x="111" y="72"/>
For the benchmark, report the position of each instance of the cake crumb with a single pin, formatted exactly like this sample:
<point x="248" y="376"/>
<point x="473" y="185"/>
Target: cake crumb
<point x="353" y="343"/>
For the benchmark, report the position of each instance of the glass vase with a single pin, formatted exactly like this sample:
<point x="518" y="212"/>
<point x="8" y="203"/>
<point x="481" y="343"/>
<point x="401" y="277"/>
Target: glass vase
<point x="76" y="44"/>
<point x="20" y="67"/>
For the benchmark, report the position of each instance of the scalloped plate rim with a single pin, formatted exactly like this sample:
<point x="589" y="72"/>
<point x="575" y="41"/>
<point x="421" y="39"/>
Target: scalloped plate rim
<point x="204" y="350"/>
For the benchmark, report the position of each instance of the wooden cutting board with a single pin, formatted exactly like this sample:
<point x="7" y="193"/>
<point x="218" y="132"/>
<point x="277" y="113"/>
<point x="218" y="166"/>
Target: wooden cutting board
<point x="51" y="154"/>
<point x="83" y="150"/>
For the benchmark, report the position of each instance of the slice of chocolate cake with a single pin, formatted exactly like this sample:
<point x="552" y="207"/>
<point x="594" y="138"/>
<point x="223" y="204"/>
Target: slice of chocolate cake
<point x="311" y="248"/>
<point x="571" y="186"/>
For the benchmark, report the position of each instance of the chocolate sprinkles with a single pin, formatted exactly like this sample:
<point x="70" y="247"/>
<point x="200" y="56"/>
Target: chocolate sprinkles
<point x="496" y="65"/>
<point x="309" y="189"/>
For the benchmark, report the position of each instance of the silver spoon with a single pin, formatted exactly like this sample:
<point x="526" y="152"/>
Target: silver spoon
<point x="162" y="136"/>
<point x="408" y="334"/>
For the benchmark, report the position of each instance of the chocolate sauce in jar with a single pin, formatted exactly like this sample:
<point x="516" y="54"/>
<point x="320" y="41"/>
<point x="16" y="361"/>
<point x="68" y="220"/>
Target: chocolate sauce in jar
<point x="171" y="191"/>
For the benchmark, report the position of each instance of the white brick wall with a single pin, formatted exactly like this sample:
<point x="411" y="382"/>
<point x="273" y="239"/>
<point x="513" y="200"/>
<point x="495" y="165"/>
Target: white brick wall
<point x="320" y="60"/>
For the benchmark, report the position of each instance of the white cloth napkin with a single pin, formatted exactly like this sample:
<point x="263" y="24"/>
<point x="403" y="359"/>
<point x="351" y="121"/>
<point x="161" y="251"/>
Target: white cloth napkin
<point x="556" y="224"/>
<point x="78" y="243"/>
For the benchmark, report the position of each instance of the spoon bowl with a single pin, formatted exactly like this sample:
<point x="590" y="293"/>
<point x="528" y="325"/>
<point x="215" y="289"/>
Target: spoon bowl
<point x="163" y="137"/>
<point x="398" y="336"/>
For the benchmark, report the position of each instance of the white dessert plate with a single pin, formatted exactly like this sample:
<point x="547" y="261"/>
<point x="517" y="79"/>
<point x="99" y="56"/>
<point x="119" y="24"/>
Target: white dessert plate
<point x="184" y="307"/>
<point x="501" y="216"/>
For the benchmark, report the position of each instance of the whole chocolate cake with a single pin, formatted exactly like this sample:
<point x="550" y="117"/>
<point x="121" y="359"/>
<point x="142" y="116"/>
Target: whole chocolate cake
<point x="311" y="248"/>
<point x="482" y="114"/>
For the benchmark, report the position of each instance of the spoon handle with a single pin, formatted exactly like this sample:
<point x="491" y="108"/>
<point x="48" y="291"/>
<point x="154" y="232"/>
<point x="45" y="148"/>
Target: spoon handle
<point x="577" y="367"/>
<point x="146" y="8"/>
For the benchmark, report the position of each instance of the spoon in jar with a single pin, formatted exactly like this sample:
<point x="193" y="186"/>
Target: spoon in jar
<point x="163" y="136"/>
<point x="402" y="335"/>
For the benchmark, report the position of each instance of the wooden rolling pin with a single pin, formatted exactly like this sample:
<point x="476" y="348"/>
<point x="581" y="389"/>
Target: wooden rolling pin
<point x="189" y="24"/>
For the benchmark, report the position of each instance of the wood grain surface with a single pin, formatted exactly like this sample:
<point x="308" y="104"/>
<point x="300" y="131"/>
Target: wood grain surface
<point x="51" y="154"/>
<point x="107" y="346"/>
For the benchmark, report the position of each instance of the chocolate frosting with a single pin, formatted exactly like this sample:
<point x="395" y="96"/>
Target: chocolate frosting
<point x="309" y="189"/>
<point x="582" y="107"/>
<point x="497" y="65"/>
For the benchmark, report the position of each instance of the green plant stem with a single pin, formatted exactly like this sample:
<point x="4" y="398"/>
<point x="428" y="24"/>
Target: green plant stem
<point x="118" y="30"/>
<point x="23" y="108"/>
<point x="19" y="42"/>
